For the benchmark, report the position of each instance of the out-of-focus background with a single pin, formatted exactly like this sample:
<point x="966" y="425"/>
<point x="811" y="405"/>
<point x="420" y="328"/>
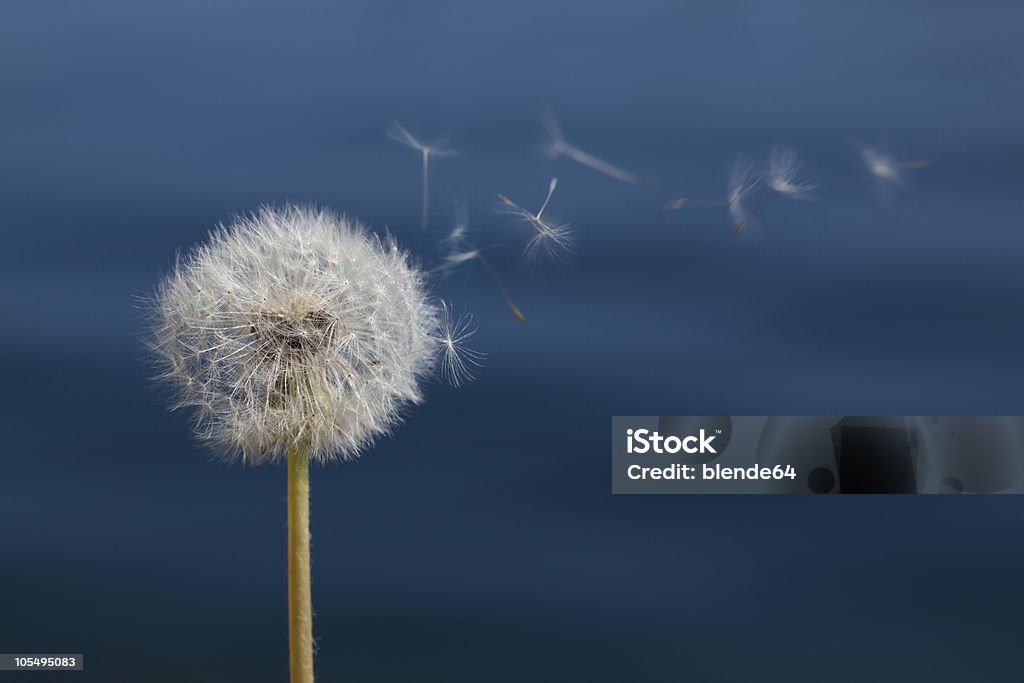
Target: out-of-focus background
<point x="482" y="543"/>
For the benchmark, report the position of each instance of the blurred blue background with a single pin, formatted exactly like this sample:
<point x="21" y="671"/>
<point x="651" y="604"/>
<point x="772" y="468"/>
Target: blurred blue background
<point x="481" y="543"/>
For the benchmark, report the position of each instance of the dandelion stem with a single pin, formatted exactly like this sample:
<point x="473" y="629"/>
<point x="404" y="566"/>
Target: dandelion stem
<point x="560" y="146"/>
<point x="485" y="262"/>
<point x="923" y="163"/>
<point x="300" y="607"/>
<point x="551" y="190"/>
<point x="601" y="166"/>
<point x="680" y="202"/>
<point x="426" y="188"/>
<point x="760" y="205"/>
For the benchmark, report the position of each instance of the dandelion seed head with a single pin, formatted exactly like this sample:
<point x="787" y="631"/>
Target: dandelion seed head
<point x="295" y="325"/>
<point x="786" y="175"/>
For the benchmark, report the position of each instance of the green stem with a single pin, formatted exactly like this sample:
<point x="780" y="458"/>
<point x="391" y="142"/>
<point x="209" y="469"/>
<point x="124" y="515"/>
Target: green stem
<point x="300" y="604"/>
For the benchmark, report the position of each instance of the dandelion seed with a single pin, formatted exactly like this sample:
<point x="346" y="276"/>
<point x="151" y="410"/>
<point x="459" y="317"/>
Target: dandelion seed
<point x="456" y="361"/>
<point x="880" y="165"/>
<point x="559" y="146"/>
<point x="885" y="168"/>
<point x="549" y="238"/>
<point x="293" y="333"/>
<point x="786" y="178"/>
<point x="743" y="180"/>
<point x="462" y="250"/>
<point x="402" y="136"/>
<point x="454" y="259"/>
<point x="455" y="240"/>
<point x="786" y="175"/>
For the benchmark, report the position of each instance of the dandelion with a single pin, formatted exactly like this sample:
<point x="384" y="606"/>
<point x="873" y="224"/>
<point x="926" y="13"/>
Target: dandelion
<point x="559" y="146"/>
<point x="885" y="168"/>
<point x="786" y="177"/>
<point x="402" y="136"/>
<point x="462" y="251"/>
<point x="294" y="334"/>
<point x="549" y="238"/>
<point x="743" y="181"/>
<point x="457" y="360"/>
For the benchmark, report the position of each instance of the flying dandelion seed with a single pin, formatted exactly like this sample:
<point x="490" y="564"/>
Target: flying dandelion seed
<point x="743" y="180"/>
<point x="461" y="251"/>
<point x="457" y="361"/>
<point x="786" y="178"/>
<point x="402" y="136"/>
<point x="559" y="146"/>
<point x="885" y="168"/>
<point x="786" y="175"/>
<point x="295" y="334"/>
<point x="549" y="238"/>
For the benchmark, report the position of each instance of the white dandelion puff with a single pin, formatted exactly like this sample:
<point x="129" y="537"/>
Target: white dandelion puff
<point x="787" y="177"/>
<point x="549" y="237"/>
<point x="438" y="149"/>
<point x="295" y="325"/>
<point x="457" y="362"/>
<point x="557" y="146"/>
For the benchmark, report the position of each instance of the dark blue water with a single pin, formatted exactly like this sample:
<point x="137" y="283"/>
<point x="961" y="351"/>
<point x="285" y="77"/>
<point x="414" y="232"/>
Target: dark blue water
<point x="481" y="543"/>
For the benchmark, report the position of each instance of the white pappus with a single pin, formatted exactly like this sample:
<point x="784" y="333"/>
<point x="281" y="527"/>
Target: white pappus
<point x="297" y="325"/>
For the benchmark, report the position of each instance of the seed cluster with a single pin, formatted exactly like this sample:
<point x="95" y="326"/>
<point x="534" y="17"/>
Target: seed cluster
<point x="296" y="325"/>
